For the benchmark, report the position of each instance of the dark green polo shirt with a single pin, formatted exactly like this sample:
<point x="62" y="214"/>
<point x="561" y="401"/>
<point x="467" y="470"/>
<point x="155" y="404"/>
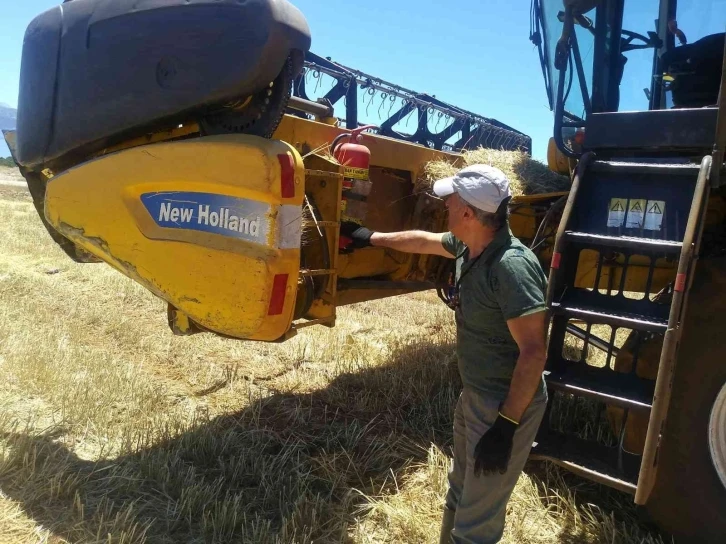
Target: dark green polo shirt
<point x="505" y="282"/>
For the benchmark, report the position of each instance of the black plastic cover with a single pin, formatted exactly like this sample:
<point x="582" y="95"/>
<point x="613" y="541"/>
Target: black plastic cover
<point x="655" y="130"/>
<point x="697" y="71"/>
<point x="92" y="69"/>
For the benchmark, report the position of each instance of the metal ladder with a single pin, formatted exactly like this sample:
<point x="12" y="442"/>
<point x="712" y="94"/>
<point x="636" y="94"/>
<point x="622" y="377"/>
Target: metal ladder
<point x="620" y="218"/>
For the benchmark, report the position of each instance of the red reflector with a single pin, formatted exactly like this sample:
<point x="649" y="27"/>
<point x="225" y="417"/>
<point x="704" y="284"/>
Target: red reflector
<point x="680" y="283"/>
<point x="556" y="260"/>
<point x="277" y="300"/>
<point x="287" y="175"/>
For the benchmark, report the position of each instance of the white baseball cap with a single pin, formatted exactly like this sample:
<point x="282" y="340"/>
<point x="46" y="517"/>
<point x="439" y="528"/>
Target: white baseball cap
<point x="483" y="186"/>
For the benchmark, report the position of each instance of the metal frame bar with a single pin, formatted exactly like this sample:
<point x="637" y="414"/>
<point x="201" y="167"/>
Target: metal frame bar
<point x="584" y="472"/>
<point x="476" y="129"/>
<point x="657" y="90"/>
<point x="413" y="286"/>
<point x="581" y="77"/>
<point x="595" y="341"/>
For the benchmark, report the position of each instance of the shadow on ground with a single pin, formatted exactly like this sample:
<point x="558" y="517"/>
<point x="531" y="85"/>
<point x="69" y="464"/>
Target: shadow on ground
<point x="287" y="468"/>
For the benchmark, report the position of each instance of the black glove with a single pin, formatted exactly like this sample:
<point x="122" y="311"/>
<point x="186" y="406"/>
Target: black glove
<point x="494" y="449"/>
<point x="361" y="236"/>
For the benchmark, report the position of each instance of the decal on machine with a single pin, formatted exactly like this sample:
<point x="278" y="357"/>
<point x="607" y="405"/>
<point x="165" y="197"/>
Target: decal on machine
<point x="616" y="212"/>
<point x="235" y="217"/>
<point x="636" y="213"/>
<point x="654" y="214"/>
<point x="355" y="173"/>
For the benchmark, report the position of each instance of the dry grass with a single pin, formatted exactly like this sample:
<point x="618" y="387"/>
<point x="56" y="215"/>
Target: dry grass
<point x="114" y="431"/>
<point x="11" y="175"/>
<point x="526" y="175"/>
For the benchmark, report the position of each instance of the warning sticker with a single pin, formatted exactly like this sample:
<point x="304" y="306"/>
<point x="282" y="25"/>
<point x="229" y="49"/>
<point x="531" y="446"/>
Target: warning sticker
<point x="616" y="212"/>
<point x="355" y="173"/>
<point x="636" y="214"/>
<point x="654" y="214"/>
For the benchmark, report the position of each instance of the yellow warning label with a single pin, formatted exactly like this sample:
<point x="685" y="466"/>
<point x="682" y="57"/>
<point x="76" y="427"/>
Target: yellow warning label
<point x="655" y="211"/>
<point x="636" y="213"/>
<point x="355" y="173"/>
<point x="616" y="212"/>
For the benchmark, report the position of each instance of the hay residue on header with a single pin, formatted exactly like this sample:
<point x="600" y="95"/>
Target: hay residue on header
<point x="527" y="176"/>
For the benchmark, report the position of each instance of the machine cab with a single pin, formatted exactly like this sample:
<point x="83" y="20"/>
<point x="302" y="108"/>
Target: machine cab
<point x="639" y="76"/>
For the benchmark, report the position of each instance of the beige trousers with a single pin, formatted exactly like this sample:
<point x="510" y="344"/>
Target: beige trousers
<point x="480" y="502"/>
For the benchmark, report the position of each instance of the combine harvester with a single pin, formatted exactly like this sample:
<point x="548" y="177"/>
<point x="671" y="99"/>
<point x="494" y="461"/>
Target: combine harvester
<point x="178" y="142"/>
<point x="183" y="159"/>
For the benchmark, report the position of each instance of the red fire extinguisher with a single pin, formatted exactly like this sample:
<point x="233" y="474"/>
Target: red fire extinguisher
<point x="356" y="159"/>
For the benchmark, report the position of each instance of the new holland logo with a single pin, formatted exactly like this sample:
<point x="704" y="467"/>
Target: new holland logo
<point x="207" y="212"/>
<point x="204" y="217"/>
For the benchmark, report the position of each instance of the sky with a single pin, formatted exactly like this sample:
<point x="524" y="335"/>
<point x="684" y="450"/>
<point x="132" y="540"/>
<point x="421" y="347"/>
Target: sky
<point x="474" y="54"/>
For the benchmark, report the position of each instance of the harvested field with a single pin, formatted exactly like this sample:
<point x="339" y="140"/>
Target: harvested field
<point x="11" y="177"/>
<point x="114" y="431"/>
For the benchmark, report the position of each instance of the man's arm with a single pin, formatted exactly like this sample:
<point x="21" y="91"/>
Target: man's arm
<point x="494" y="449"/>
<point x="412" y="241"/>
<point x="529" y="333"/>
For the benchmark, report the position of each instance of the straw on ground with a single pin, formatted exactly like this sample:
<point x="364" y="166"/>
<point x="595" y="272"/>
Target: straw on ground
<point x="114" y="431"/>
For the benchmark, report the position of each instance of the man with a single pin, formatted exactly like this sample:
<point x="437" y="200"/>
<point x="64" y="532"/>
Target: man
<point x="499" y="302"/>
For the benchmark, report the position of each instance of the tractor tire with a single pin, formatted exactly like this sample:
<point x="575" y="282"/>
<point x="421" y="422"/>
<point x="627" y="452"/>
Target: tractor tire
<point x="689" y="497"/>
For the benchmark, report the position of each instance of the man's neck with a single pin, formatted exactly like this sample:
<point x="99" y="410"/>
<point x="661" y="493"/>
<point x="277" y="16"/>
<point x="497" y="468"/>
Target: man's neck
<point x="478" y="241"/>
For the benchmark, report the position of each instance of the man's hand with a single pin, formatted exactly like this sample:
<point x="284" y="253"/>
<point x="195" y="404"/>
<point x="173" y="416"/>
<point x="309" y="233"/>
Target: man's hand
<point x="494" y="449"/>
<point x="360" y="235"/>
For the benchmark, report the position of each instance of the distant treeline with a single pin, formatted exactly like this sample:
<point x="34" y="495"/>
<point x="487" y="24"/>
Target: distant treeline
<point x="7" y="161"/>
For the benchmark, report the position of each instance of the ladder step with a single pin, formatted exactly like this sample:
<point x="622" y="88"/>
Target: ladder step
<point x="648" y="168"/>
<point x="634" y="243"/>
<point x="613" y="309"/>
<point x="320" y="272"/>
<point x="615" y="319"/>
<point x="621" y="389"/>
<point x="589" y="459"/>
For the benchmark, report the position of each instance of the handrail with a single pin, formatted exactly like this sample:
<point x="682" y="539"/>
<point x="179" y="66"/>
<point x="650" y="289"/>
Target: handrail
<point x="667" y="363"/>
<point x="554" y="271"/>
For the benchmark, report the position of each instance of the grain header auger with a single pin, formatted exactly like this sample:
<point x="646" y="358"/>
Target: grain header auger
<point x="177" y="141"/>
